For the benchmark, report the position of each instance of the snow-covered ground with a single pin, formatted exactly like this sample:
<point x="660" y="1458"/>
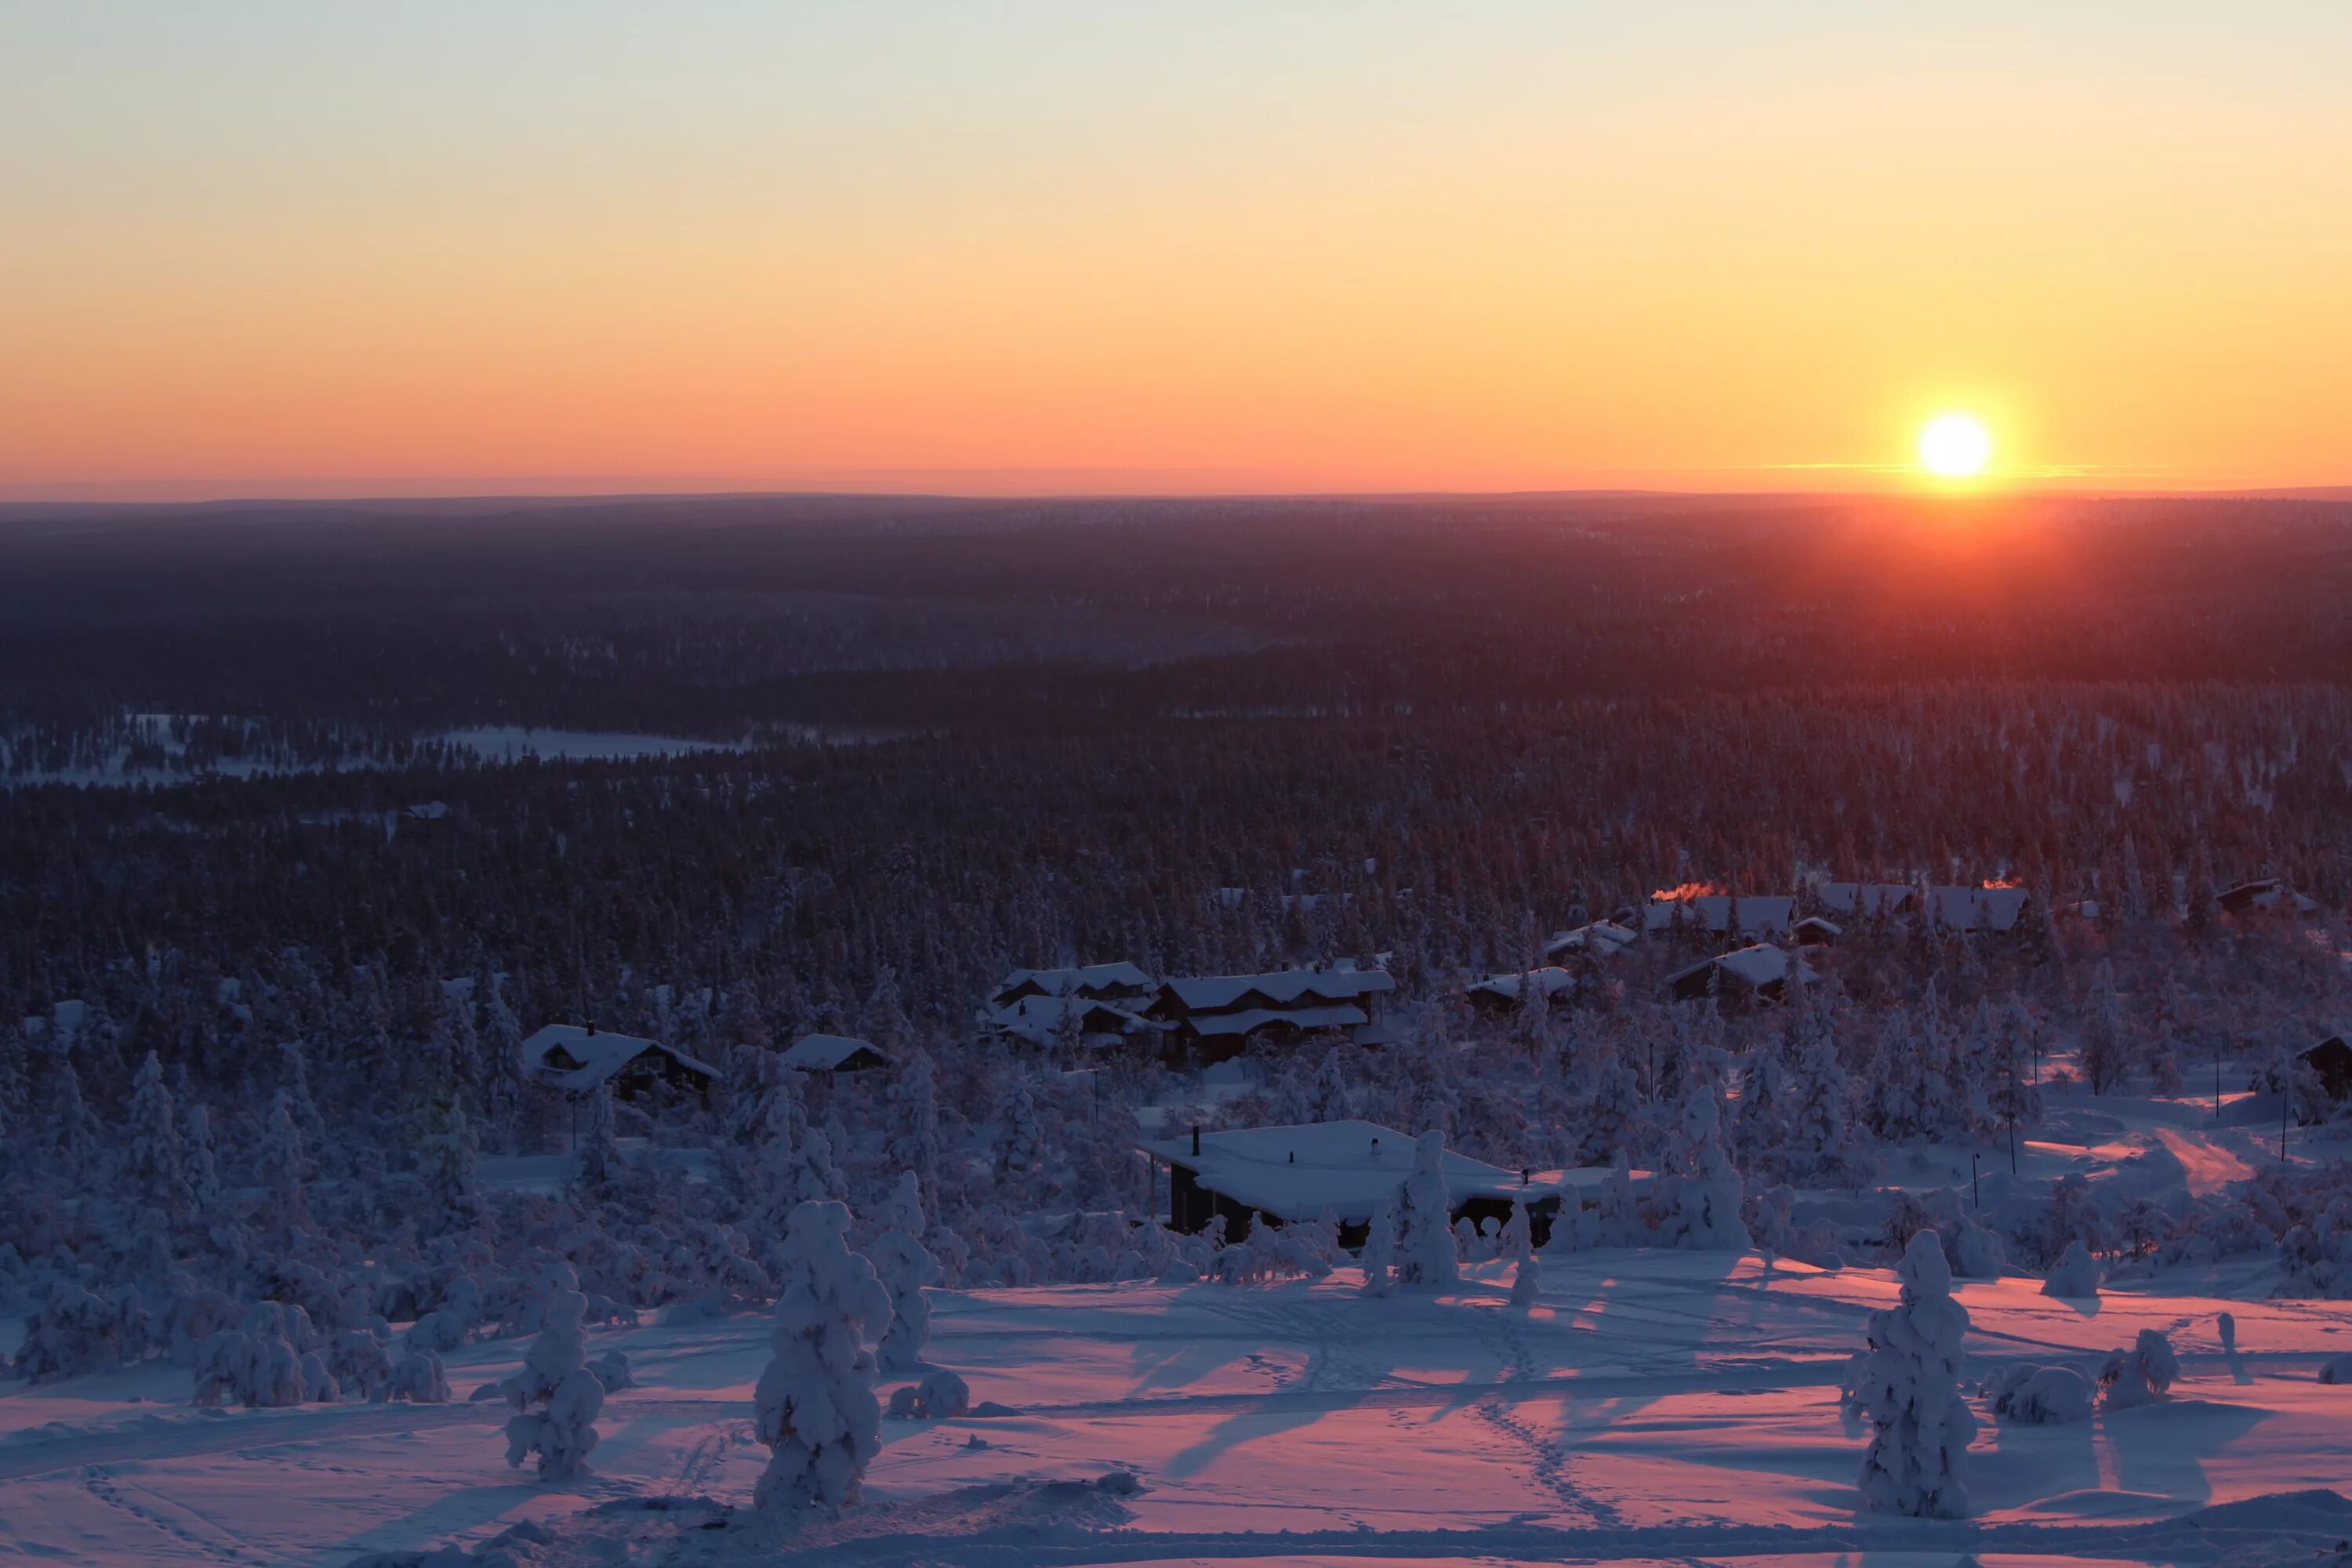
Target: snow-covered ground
<point x="1656" y="1406"/>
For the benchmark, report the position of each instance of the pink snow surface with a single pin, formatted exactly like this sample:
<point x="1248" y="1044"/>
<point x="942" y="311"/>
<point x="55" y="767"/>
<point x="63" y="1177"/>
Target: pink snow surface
<point x="1662" y="1405"/>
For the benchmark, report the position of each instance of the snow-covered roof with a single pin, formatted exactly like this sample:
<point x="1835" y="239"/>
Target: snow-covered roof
<point x="1341" y="1017"/>
<point x="65" y="1019"/>
<point x="1297" y="1173"/>
<point x="1978" y="908"/>
<point x="1552" y="981"/>
<point x="1712" y="912"/>
<point x="1865" y="898"/>
<point x="1760" y="965"/>
<point x="1096" y="979"/>
<point x="1209" y="992"/>
<point x="1602" y="937"/>
<point x="599" y="1053"/>
<point x="1815" y="922"/>
<point x="823" y="1053"/>
<point x="1038" y="1018"/>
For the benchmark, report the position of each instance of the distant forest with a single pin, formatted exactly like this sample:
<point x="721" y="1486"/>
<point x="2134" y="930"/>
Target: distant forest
<point x="1471" y="720"/>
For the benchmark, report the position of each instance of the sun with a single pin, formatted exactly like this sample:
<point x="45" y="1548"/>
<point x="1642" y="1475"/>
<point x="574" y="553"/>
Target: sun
<point x="1955" y="446"/>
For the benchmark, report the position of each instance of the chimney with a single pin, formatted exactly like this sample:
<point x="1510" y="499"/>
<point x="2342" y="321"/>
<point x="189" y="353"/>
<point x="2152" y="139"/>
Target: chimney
<point x="1525" y="1175"/>
<point x="1196" y="1138"/>
<point x="1294" y="1156"/>
<point x="591" y="1026"/>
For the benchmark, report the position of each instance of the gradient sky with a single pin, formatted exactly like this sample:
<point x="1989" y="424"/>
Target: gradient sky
<point x="316" y="247"/>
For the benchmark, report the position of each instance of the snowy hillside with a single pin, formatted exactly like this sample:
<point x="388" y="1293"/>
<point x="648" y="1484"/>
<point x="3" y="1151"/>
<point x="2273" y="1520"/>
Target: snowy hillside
<point x="1655" y="1405"/>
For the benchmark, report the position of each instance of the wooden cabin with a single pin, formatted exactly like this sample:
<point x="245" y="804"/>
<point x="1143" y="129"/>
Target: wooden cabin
<point x="579" y="1057"/>
<point x="834" y="1053"/>
<point x="1275" y="1175"/>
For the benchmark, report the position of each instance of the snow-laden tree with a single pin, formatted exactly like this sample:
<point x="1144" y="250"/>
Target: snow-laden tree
<point x="75" y="1131"/>
<point x="915" y="1144"/>
<point x="257" y="1365"/>
<point x="556" y="1398"/>
<point x="597" y="1163"/>
<point x="283" y="1167"/>
<point x="1019" y="1139"/>
<point x="1329" y="1098"/>
<point x="1825" y="1145"/>
<point x="419" y="1378"/>
<point x="1518" y="1245"/>
<point x="203" y="1167"/>
<point x="2142" y="1375"/>
<point x="1425" y="1251"/>
<point x="1908" y="1387"/>
<point x="294" y="1070"/>
<point x="906" y="1268"/>
<point x="1695" y="1201"/>
<point x="2030" y="1395"/>
<point x="1379" y="1257"/>
<point x="815" y="1409"/>
<point x="447" y="1158"/>
<point x="2077" y="1276"/>
<point x="1760" y="1129"/>
<point x="154" y="1157"/>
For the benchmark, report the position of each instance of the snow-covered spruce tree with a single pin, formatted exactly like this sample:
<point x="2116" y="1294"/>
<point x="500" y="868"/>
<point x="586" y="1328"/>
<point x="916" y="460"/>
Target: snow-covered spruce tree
<point x="294" y="1070"/>
<point x="1380" y="1246"/>
<point x="554" y="1377"/>
<point x="1825" y="1146"/>
<point x="1425" y="1255"/>
<point x="597" y="1160"/>
<point x="1909" y="1388"/>
<point x="447" y="1158"/>
<point x="815" y="1409"/>
<point x="905" y="1268"/>
<point x="154" y="1158"/>
<point x="1329" y="1099"/>
<point x="1518" y="1245"/>
<point x="915" y="1146"/>
<point x="1696" y="1200"/>
<point x="1760" y="1129"/>
<point x="203" y="1168"/>
<point x="1018" y="1137"/>
<point x="282" y="1167"/>
<point x="74" y="1132"/>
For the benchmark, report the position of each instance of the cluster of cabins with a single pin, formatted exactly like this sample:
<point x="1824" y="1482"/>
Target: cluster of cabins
<point x="1764" y="938"/>
<point x="1197" y="1019"/>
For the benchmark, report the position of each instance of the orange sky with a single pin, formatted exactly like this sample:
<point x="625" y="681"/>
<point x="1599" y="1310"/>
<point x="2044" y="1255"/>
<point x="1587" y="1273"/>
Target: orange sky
<point x="306" y="249"/>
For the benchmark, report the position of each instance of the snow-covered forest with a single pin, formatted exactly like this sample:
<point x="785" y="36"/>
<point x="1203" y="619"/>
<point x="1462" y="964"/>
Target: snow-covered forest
<point x="268" y="1138"/>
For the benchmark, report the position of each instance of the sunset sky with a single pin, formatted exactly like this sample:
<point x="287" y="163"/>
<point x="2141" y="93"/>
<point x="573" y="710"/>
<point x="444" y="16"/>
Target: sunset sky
<point x="314" y="249"/>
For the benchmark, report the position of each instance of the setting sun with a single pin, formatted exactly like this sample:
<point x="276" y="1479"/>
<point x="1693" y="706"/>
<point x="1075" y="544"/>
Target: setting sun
<point x="1955" y="446"/>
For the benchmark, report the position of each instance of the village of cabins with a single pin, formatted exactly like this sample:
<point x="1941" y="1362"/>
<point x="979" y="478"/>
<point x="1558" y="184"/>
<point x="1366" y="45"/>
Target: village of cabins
<point x="1340" y="1170"/>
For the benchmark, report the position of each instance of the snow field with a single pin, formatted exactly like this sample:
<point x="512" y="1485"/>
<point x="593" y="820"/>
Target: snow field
<point x="1654" y="1404"/>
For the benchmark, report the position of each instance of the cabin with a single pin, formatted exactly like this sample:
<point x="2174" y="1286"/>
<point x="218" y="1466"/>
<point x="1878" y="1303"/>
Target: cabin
<point x="1209" y="1018"/>
<point x="1275" y="1175"/>
<point x="1865" y="898"/>
<point x="1712" y="913"/>
<point x="1601" y="939"/>
<point x="1815" y="932"/>
<point x="1759" y="972"/>
<point x="1994" y="911"/>
<point x="579" y="1057"/>
<point x="1499" y="994"/>
<point x="2264" y="893"/>
<point x="2332" y="1060"/>
<point x="1039" y="1019"/>
<point x="1090" y="982"/>
<point x="834" y="1053"/>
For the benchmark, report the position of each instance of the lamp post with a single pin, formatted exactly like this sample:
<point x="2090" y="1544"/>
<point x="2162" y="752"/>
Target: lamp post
<point x="1975" y="1181"/>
